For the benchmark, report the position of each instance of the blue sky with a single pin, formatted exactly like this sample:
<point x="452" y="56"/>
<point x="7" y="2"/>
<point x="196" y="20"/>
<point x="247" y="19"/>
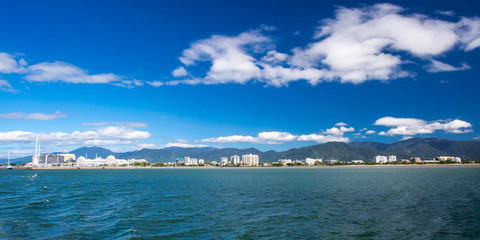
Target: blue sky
<point x="127" y="75"/>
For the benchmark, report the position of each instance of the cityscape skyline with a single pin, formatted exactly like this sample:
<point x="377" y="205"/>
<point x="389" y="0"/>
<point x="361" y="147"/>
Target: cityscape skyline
<point x="273" y="78"/>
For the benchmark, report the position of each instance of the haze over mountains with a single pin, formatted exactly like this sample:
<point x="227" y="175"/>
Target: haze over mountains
<point x="415" y="147"/>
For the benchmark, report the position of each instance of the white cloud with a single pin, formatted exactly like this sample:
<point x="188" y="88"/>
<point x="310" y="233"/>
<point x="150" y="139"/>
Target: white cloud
<point x="339" y="131"/>
<point x="61" y="71"/>
<point x="58" y="71"/>
<point x="122" y="133"/>
<point x="179" y="72"/>
<point x="125" y="124"/>
<point x="277" y="136"/>
<point x="406" y="138"/>
<point x="319" y="138"/>
<point x="33" y="116"/>
<point x="8" y="64"/>
<point x="274" y="57"/>
<point x="436" y="66"/>
<point x="7" y="87"/>
<point x="358" y="45"/>
<point x="412" y="126"/>
<point x="340" y="124"/>
<point x="392" y="121"/>
<point x="229" y="57"/>
<point x="468" y="29"/>
<point x="263" y="137"/>
<point x="156" y="83"/>
<point x="77" y="137"/>
<point x="107" y="142"/>
<point x="231" y="139"/>
<point x="446" y="13"/>
<point x="184" y="145"/>
<point x="370" y="132"/>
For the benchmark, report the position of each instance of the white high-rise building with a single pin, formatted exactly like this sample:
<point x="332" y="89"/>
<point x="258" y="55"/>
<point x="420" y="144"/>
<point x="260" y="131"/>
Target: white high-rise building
<point x="224" y="160"/>
<point x="235" y="159"/>
<point x="201" y="161"/>
<point x="250" y="159"/>
<point x="392" y="158"/>
<point x="380" y="159"/>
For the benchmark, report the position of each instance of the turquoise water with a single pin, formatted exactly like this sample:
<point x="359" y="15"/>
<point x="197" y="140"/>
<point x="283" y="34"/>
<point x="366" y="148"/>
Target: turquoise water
<point x="317" y="203"/>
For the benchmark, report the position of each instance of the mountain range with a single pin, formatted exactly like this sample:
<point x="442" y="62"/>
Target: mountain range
<point x="414" y="147"/>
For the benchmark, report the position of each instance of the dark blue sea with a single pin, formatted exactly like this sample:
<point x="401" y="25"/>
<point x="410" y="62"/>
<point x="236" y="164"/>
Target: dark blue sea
<point x="278" y="203"/>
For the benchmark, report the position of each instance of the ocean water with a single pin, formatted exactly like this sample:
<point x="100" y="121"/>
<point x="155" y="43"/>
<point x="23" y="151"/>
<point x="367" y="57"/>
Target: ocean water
<point x="279" y="203"/>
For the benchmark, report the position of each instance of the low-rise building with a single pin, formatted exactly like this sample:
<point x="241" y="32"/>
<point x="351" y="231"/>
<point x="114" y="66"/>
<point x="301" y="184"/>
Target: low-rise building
<point x="331" y="161"/>
<point x="449" y="158"/>
<point x="285" y="161"/>
<point x="312" y="161"/>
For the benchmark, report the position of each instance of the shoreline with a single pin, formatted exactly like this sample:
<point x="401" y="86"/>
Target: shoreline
<point x="258" y="167"/>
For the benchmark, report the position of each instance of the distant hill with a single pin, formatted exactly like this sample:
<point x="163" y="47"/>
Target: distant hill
<point x="415" y="147"/>
<point x="91" y="152"/>
<point x="427" y="147"/>
<point x="333" y="150"/>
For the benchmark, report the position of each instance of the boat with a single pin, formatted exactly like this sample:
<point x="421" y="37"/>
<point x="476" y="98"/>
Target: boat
<point x="8" y="165"/>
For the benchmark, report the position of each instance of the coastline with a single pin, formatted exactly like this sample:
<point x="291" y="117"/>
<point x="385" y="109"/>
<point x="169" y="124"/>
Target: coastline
<point x="257" y="167"/>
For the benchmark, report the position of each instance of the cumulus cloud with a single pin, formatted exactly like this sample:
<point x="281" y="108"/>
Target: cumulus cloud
<point x="33" y="116"/>
<point x="282" y="137"/>
<point x="357" y="45"/>
<point x="119" y="135"/>
<point x="7" y="87"/>
<point x="8" y="64"/>
<point x="184" y="145"/>
<point x="339" y="131"/>
<point x="273" y="137"/>
<point x="339" y="124"/>
<point x="320" y="138"/>
<point x="392" y="121"/>
<point x="179" y="72"/>
<point x="412" y="126"/>
<point x="228" y="56"/>
<point x="370" y="132"/>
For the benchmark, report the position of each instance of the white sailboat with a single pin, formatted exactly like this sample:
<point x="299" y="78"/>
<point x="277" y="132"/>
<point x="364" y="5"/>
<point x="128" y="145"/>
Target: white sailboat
<point x="8" y="165"/>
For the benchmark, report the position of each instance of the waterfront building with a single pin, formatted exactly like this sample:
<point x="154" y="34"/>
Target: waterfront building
<point x="312" y="161"/>
<point x="187" y="161"/>
<point x="380" y="159"/>
<point x="235" y="159"/>
<point x="449" y="158"/>
<point x="285" y="161"/>
<point x="250" y="159"/>
<point x="331" y="161"/>
<point x="201" y="161"/>
<point x="392" y="158"/>
<point x="179" y="161"/>
<point x="224" y="160"/>
<point x="416" y="160"/>
<point x="357" y="161"/>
